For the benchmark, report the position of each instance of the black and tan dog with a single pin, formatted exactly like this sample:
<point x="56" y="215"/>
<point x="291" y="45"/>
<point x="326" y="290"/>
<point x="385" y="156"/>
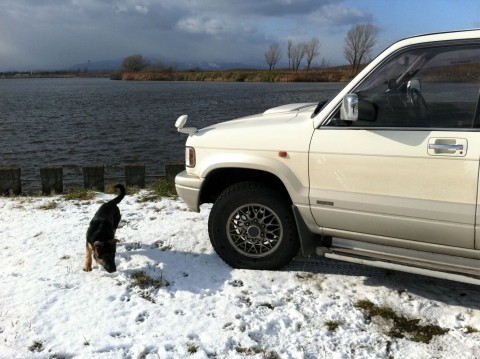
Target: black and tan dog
<point x="101" y="240"/>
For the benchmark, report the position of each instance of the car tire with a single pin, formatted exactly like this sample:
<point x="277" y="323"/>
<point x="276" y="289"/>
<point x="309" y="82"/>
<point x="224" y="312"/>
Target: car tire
<point x="252" y="227"/>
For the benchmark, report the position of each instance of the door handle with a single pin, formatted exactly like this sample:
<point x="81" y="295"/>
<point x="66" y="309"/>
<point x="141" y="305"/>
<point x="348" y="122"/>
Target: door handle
<point x="455" y="147"/>
<point x="440" y="146"/>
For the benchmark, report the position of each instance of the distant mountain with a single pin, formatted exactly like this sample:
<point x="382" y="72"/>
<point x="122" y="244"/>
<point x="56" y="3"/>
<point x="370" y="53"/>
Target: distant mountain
<point x="214" y="65"/>
<point x="112" y="65"/>
<point x="115" y="65"/>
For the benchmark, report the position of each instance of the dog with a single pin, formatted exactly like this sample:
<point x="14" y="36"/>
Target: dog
<point x="101" y="240"/>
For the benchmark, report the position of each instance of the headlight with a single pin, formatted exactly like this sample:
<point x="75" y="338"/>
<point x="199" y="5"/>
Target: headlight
<point x="190" y="159"/>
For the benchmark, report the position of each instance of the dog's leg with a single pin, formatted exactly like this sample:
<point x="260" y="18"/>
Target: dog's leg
<point x="88" y="259"/>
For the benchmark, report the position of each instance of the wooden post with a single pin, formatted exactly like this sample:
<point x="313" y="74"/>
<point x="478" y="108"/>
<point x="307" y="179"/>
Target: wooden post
<point x="135" y="175"/>
<point x="172" y="169"/>
<point x="10" y="180"/>
<point x="52" y="178"/>
<point x="94" y="177"/>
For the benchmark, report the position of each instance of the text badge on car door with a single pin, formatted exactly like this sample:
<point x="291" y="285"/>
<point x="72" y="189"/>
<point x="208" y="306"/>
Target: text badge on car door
<point x="455" y="147"/>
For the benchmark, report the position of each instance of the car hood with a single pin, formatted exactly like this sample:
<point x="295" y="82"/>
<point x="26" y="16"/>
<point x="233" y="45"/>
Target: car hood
<point x="272" y="116"/>
<point x="279" y="125"/>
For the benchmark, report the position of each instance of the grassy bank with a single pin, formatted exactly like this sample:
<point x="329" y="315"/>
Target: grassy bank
<point x="322" y="75"/>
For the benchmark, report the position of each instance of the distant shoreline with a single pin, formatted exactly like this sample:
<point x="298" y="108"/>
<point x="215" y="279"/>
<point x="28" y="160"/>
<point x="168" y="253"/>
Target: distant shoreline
<point x="317" y="75"/>
<point x="52" y="75"/>
<point x="338" y="74"/>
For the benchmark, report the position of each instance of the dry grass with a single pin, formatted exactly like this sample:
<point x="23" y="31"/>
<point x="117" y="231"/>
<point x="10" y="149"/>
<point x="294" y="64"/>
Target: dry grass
<point x="334" y="74"/>
<point x="80" y="194"/>
<point x="163" y="187"/>
<point x="49" y="205"/>
<point x="401" y="327"/>
<point x="142" y="280"/>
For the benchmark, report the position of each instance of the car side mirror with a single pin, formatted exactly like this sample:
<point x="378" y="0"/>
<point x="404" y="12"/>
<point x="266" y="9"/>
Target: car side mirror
<point x="349" y="109"/>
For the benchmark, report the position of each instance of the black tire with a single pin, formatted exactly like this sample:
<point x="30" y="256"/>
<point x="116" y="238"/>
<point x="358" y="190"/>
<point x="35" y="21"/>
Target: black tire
<point x="252" y="227"/>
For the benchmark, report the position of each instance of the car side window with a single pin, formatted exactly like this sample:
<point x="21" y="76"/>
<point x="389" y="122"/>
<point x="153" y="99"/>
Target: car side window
<point x="428" y="87"/>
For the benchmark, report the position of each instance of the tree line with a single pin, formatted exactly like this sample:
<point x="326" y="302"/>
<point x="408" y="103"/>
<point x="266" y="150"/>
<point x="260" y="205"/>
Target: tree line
<point x="358" y="45"/>
<point x="357" y="49"/>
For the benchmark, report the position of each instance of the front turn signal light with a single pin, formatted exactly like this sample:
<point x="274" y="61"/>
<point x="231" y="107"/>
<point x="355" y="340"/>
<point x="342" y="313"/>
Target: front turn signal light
<point x="190" y="159"/>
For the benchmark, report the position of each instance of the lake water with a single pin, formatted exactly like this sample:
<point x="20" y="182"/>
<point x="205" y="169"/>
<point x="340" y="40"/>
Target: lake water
<point x="81" y="122"/>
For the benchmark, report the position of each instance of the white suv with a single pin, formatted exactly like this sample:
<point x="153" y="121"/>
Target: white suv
<point x="386" y="173"/>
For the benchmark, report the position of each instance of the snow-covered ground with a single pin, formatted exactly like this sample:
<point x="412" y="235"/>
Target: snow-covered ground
<point x="51" y="308"/>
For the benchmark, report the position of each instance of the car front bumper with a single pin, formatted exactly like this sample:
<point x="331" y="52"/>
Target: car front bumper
<point x="188" y="188"/>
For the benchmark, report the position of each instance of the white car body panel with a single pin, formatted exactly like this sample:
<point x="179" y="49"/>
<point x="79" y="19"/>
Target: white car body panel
<point x="392" y="195"/>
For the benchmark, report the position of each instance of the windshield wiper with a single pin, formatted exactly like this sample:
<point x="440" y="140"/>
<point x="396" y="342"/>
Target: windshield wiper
<point x="319" y="108"/>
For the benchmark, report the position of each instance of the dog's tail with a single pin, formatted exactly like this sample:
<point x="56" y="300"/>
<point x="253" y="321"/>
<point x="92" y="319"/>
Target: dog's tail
<point x="119" y="198"/>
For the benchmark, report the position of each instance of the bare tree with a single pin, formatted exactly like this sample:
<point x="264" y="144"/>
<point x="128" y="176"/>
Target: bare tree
<point x="324" y="63"/>
<point x="359" y="43"/>
<point x="289" y="52"/>
<point x="312" y="48"/>
<point x="273" y="55"/>
<point x="297" y="54"/>
<point x="134" y="63"/>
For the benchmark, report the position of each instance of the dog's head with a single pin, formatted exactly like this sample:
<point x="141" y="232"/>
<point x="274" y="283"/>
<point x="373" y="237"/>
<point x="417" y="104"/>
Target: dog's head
<point x="104" y="254"/>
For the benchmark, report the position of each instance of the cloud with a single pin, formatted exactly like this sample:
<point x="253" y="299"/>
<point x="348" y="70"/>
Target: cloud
<point x="275" y="8"/>
<point x="202" y="25"/>
<point x="52" y="34"/>
<point x="129" y="7"/>
<point x="338" y="15"/>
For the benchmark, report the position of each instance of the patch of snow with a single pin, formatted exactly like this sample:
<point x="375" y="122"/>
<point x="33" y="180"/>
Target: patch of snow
<point x="50" y="307"/>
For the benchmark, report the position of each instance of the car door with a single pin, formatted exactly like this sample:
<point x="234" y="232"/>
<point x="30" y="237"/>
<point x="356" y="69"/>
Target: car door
<point x="407" y="169"/>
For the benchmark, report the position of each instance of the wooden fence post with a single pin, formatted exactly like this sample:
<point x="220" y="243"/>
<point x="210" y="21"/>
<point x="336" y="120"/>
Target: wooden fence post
<point x="135" y="175"/>
<point x="52" y="178"/>
<point x="94" y="177"/>
<point x="172" y="169"/>
<point x="10" y="180"/>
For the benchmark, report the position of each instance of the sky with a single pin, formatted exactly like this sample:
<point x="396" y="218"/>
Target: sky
<point x="56" y="34"/>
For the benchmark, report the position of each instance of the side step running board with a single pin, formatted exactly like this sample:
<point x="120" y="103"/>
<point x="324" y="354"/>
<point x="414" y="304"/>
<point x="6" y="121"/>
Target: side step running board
<point x="403" y="268"/>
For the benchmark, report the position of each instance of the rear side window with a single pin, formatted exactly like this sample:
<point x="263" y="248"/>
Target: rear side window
<point x="428" y="87"/>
